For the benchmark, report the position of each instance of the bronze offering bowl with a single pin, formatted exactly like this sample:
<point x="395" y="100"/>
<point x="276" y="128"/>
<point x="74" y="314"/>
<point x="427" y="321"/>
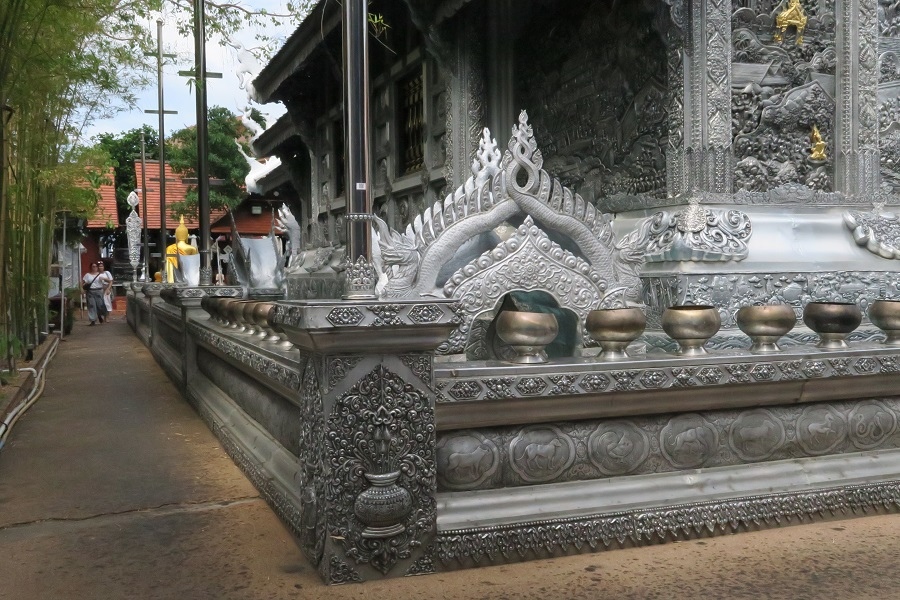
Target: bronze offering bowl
<point x="527" y="333"/>
<point x="614" y="329"/>
<point x="833" y="321"/>
<point x="282" y="341"/>
<point x="236" y="311"/>
<point x="250" y="327"/>
<point x="691" y="327"/>
<point x="261" y="318"/>
<point x="765" y="325"/>
<point x="223" y="310"/>
<point x="885" y="314"/>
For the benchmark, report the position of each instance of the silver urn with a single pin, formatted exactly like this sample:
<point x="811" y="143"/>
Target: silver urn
<point x="833" y="321"/>
<point x="765" y="325"/>
<point x="885" y="314"/>
<point x="527" y="333"/>
<point x="691" y="327"/>
<point x="614" y="329"/>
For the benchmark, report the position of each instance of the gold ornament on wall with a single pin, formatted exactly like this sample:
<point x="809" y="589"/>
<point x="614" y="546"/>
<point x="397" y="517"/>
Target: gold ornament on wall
<point x="817" y="144"/>
<point x="792" y="16"/>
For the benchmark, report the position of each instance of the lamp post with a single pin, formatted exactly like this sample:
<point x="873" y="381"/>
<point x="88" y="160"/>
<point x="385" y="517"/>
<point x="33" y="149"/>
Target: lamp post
<point x="202" y="140"/>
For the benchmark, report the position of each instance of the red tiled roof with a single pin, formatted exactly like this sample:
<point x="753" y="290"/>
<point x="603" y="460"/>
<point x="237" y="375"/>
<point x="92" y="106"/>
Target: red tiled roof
<point x="175" y="192"/>
<point x="248" y="223"/>
<point x="107" y="214"/>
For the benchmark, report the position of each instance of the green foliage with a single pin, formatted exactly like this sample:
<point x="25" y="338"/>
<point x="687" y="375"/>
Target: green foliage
<point x="224" y="158"/>
<point x="124" y="149"/>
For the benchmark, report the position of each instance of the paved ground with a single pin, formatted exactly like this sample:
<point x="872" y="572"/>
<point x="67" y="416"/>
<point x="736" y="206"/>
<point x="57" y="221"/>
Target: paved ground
<point x="111" y="487"/>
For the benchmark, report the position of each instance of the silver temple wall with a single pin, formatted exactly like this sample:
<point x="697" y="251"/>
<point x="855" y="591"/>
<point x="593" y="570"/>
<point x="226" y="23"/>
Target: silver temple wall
<point x="751" y="158"/>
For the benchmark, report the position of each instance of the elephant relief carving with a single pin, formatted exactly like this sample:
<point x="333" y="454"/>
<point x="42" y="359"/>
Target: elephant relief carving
<point x="541" y="453"/>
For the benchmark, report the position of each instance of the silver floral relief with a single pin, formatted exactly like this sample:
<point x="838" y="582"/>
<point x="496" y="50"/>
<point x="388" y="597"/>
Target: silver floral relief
<point x="529" y="261"/>
<point x="541" y="453"/>
<point x="312" y="457"/>
<point x="380" y="451"/>
<point x="695" y="234"/>
<point x="465" y="460"/>
<point x="876" y="231"/>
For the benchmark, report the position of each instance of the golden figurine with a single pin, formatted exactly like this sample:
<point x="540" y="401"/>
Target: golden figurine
<point x="792" y="16"/>
<point x="818" y="144"/>
<point x="181" y="246"/>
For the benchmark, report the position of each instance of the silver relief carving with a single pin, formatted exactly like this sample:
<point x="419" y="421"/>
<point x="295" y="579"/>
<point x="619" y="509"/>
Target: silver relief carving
<point x="688" y="441"/>
<point x="380" y="492"/>
<point x="541" y="453"/>
<point x="466" y="459"/>
<point x="756" y="435"/>
<point x="820" y="429"/>
<point x="878" y="232"/>
<point x="701" y="235"/>
<point x="870" y="424"/>
<point x="617" y="447"/>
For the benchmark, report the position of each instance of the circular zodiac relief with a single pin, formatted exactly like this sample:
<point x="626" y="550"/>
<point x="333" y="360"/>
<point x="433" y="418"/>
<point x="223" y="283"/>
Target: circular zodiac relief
<point x="870" y="424"/>
<point x="541" y="453"/>
<point x="688" y="441"/>
<point x="618" y="447"/>
<point x="465" y="460"/>
<point x="820" y="429"/>
<point x="756" y="435"/>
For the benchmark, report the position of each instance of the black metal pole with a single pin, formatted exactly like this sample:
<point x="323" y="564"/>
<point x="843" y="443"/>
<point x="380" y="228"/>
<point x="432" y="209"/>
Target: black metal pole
<point x="163" y="238"/>
<point x="202" y="140"/>
<point x="356" y="134"/>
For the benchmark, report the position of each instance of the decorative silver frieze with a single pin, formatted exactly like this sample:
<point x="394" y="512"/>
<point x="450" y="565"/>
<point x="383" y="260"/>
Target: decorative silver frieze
<point x="692" y="234"/>
<point x="543" y="539"/>
<point x="285" y="375"/>
<point x="605" y="378"/>
<point x="878" y="232"/>
<point x="596" y="449"/>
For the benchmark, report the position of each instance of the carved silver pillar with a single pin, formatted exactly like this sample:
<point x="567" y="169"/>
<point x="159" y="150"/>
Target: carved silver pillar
<point x="708" y="94"/>
<point x="368" y="437"/>
<point x="465" y="101"/>
<point x="676" y="173"/>
<point x="857" y="154"/>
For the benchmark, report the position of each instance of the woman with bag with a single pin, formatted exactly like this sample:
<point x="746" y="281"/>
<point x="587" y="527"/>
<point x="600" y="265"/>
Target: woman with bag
<point x="93" y="284"/>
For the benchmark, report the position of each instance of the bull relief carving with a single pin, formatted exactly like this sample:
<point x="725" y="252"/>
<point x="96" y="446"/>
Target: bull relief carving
<point x="507" y="207"/>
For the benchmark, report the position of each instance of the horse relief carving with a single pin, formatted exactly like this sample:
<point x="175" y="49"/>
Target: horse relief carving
<point x="541" y="453"/>
<point x="756" y="435"/>
<point x="820" y="429"/>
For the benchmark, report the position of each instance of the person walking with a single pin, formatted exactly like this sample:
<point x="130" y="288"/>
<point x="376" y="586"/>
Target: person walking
<point x="94" y="284"/>
<point x="107" y="305"/>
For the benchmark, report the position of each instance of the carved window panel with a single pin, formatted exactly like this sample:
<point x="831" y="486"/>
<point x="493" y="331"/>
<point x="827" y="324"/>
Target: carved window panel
<point x="411" y="123"/>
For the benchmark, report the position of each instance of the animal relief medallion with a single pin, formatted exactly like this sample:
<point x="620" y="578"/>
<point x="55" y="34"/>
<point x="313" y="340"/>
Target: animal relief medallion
<point x="541" y="453"/>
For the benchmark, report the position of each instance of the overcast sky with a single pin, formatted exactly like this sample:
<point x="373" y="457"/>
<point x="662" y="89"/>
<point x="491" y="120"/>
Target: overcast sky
<point x="177" y="96"/>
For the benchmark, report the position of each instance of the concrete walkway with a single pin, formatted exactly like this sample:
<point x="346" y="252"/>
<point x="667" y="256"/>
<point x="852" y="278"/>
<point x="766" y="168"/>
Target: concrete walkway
<point x="111" y="487"/>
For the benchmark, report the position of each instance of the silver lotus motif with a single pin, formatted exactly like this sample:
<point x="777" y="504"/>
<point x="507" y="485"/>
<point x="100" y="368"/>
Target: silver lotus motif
<point x="765" y="325"/>
<point x="527" y="333"/>
<point x="691" y="327"/>
<point x="885" y="314"/>
<point x="833" y="321"/>
<point x="614" y="329"/>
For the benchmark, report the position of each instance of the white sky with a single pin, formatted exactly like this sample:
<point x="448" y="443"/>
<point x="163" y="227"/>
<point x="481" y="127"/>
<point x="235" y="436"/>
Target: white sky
<point x="177" y="96"/>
